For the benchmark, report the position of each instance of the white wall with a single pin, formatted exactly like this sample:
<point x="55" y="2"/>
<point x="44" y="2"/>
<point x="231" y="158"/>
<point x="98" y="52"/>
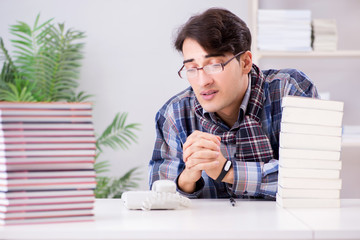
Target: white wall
<point x="130" y="64"/>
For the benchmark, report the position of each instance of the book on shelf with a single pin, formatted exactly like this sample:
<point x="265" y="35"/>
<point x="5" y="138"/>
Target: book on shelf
<point x="325" y="36"/>
<point x="309" y="183"/>
<point x="284" y="30"/>
<point x="26" y="174"/>
<point x="310" y="141"/>
<point x="312" y="103"/>
<point x="309" y="163"/>
<point x="48" y="220"/>
<point x="308" y="173"/>
<point x="307" y="193"/>
<point x="46" y="194"/>
<point x="287" y="127"/>
<point x="307" y="202"/>
<point x="309" y="154"/>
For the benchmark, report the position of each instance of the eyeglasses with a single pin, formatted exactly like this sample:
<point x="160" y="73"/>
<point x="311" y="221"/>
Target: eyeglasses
<point x="208" y="69"/>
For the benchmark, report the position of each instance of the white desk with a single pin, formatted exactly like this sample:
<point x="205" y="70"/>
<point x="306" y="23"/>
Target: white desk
<point x="206" y="219"/>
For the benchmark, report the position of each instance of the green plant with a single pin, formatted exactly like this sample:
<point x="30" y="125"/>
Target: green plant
<point x="45" y="67"/>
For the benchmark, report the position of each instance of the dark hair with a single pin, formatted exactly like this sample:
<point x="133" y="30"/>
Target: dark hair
<point x="217" y="31"/>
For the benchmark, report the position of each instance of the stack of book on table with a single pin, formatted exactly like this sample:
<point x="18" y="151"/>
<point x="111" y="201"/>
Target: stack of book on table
<point x="325" y="35"/>
<point x="309" y="154"/>
<point x="284" y="30"/>
<point x="47" y="153"/>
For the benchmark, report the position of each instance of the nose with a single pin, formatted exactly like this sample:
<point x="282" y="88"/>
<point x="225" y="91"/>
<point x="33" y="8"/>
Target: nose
<point x="204" y="78"/>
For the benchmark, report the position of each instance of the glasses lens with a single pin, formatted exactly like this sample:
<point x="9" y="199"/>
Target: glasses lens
<point x="213" y="68"/>
<point x="191" y="72"/>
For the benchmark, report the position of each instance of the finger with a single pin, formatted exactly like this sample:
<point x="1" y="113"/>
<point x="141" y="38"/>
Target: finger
<point x="201" y="157"/>
<point x="205" y="166"/>
<point x="200" y="146"/>
<point x="196" y="135"/>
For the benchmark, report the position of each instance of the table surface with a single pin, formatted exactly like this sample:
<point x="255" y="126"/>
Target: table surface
<point x="205" y="219"/>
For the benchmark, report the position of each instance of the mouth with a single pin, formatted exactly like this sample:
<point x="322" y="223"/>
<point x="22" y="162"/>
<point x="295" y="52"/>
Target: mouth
<point x="209" y="94"/>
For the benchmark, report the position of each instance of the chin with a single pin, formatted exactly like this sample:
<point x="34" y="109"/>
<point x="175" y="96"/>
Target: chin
<point x="209" y="108"/>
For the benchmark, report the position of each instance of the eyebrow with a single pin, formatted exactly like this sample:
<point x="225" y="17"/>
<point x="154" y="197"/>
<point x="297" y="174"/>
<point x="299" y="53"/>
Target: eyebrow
<point x="206" y="56"/>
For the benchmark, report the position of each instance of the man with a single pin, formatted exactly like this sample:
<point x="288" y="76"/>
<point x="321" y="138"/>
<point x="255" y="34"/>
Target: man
<point x="219" y="138"/>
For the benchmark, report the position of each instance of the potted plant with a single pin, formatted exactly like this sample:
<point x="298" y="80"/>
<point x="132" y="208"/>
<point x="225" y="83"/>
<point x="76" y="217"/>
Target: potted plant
<point x="45" y="67"/>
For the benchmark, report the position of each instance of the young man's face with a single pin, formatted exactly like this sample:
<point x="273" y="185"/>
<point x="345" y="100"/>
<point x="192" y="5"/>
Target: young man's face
<point x="221" y="92"/>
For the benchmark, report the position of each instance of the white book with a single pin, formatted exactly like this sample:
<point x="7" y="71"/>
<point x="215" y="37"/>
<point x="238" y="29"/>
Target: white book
<point x="308" y="154"/>
<point x="47" y="220"/>
<point x="47" y="159"/>
<point x="39" y="201"/>
<point x="308" y="193"/>
<point x="312" y="103"/>
<point x="309" y="163"/>
<point x="312" y="116"/>
<point x="62" y="186"/>
<point x="46" y="105"/>
<point x="46" y="133"/>
<point x="310" y="129"/>
<point x="309" y="183"/>
<point x="47" y="126"/>
<point x="45" y="214"/>
<point x="47" y="174"/>
<point x="46" y="194"/>
<point x="47" y="183"/>
<point x="48" y="166"/>
<point x="308" y="173"/>
<point x="49" y="207"/>
<point x="53" y="119"/>
<point x="307" y="203"/>
<point x="45" y="112"/>
<point x="58" y="153"/>
<point x="311" y="142"/>
<point x="46" y="139"/>
<point x="45" y="146"/>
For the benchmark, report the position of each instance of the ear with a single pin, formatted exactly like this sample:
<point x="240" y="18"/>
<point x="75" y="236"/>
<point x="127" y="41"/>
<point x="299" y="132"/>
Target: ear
<point x="246" y="58"/>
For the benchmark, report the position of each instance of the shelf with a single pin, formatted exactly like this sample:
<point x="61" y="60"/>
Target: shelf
<point x="340" y="53"/>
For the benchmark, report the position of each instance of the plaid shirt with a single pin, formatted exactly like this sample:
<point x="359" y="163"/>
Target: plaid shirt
<point x="251" y="144"/>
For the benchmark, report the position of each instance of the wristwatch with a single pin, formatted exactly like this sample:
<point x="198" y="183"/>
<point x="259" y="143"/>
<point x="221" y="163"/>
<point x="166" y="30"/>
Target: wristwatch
<point x="224" y="171"/>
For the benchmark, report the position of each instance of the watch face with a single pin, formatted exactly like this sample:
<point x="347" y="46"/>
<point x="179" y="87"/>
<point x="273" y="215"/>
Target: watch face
<point x="227" y="165"/>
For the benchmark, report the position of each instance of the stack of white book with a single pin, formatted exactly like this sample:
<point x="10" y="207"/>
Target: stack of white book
<point x="325" y="35"/>
<point x="284" y="30"/>
<point x="309" y="154"/>
<point x="47" y="153"/>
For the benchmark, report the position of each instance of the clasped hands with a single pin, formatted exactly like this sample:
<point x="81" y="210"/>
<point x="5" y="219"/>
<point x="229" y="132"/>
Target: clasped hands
<point x="201" y="152"/>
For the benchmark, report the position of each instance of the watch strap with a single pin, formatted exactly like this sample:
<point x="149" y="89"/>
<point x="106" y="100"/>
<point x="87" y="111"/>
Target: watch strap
<point x="225" y="169"/>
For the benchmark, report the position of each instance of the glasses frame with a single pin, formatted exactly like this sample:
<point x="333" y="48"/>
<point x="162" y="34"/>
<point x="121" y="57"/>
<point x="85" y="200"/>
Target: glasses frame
<point x="222" y="64"/>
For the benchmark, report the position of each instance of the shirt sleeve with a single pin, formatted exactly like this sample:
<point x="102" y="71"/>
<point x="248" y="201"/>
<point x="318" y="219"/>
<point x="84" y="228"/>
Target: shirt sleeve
<point x="256" y="179"/>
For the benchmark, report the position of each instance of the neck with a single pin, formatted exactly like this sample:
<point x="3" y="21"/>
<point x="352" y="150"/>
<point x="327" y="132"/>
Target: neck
<point x="231" y="115"/>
